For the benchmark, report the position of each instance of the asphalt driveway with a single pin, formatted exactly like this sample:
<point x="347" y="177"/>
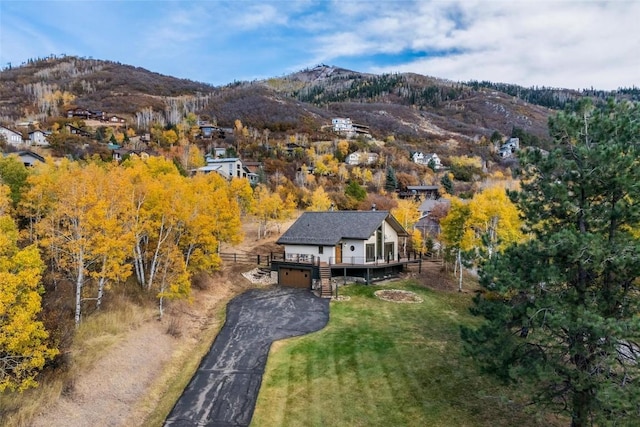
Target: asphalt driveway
<point x="225" y="387"/>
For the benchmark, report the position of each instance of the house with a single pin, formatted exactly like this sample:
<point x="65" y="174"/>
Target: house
<point x="82" y="113"/>
<point x="39" y="138"/>
<point x="427" y="159"/>
<point x="344" y="126"/>
<point x="320" y="245"/>
<point x="119" y="154"/>
<point x="429" y="205"/>
<point x="77" y="131"/>
<point x="509" y="147"/>
<point x="209" y="131"/>
<point x="229" y="168"/>
<point x="28" y="158"/>
<point x="359" y="158"/>
<point x="420" y="192"/>
<point x="116" y="120"/>
<point x="10" y="136"/>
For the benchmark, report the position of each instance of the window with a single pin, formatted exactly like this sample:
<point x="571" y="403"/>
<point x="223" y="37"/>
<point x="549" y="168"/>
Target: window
<point x="371" y="252"/>
<point x="320" y="249"/>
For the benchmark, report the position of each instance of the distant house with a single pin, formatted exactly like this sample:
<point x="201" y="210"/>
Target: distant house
<point x="344" y="126"/>
<point x="28" y="158"/>
<point x="81" y="113"/>
<point x="426" y="159"/>
<point x="509" y="147"/>
<point x="420" y="192"/>
<point x="120" y="154"/>
<point x="229" y="168"/>
<point x="216" y="153"/>
<point x="85" y="114"/>
<point x="39" y="138"/>
<point x="77" y="131"/>
<point x="209" y="131"/>
<point x="116" y="120"/>
<point x="361" y="158"/>
<point x="11" y="136"/>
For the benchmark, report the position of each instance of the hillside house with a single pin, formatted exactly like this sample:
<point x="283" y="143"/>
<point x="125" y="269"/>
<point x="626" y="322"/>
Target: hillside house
<point x="85" y="114"/>
<point x="11" y="137"/>
<point x="361" y="158"/>
<point x="345" y="127"/>
<point x="77" y="131"/>
<point x="420" y="192"/>
<point x="509" y="147"/>
<point x="229" y="168"/>
<point x="39" y="138"/>
<point x="28" y="158"/>
<point x="425" y="159"/>
<point x="209" y="131"/>
<point x="320" y="245"/>
<point x="117" y="120"/>
<point x="119" y="154"/>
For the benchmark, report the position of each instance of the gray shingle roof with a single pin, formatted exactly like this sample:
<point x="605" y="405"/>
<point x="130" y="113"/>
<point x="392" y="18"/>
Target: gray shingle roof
<point x="328" y="228"/>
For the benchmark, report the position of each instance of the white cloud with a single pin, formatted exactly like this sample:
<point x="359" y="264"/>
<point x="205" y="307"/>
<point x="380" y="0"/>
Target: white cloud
<point x="554" y="43"/>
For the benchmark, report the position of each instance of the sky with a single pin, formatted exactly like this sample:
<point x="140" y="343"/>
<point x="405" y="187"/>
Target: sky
<point x="554" y="43"/>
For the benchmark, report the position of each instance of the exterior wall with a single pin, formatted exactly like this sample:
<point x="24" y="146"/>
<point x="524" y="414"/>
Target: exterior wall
<point x="12" y="138"/>
<point x="307" y="253"/>
<point x="38" y="138"/>
<point x="357" y="256"/>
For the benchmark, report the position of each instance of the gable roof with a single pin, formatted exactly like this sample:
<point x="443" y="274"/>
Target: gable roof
<point x="328" y="228"/>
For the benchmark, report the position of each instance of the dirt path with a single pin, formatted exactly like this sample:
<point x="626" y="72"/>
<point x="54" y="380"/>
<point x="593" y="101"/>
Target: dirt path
<point x="104" y="395"/>
<point x="108" y="393"/>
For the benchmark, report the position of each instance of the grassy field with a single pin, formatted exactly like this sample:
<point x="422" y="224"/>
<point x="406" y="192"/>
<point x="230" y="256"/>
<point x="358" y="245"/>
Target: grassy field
<point x="381" y="363"/>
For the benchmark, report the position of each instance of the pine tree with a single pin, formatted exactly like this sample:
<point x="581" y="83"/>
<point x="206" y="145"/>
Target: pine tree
<point x="391" y="183"/>
<point x="561" y="310"/>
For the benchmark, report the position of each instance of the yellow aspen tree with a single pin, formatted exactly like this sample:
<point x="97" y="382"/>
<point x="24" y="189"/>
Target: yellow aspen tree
<point x="241" y="191"/>
<point x="75" y="233"/>
<point x="367" y="176"/>
<point x="407" y="214"/>
<point x="112" y="240"/>
<point x="266" y="208"/>
<point x="211" y="215"/>
<point x="456" y="234"/>
<point x="23" y="339"/>
<point x="320" y="200"/>
<point x="356" y="174"/>
<point x="495" y="221"/>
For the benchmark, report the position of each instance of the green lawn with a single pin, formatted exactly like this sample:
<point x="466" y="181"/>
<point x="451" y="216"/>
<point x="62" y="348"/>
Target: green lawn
<point x="380" y="363"/>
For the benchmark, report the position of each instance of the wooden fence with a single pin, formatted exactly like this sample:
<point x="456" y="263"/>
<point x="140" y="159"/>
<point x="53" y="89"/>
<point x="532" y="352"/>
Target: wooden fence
<point x="244" y="258"/>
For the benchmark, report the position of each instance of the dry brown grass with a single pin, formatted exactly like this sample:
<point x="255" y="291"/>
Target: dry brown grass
<point x="127" y="368"/>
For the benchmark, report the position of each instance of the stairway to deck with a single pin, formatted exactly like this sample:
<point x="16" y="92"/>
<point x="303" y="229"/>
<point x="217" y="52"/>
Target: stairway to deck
<point x="325" y="281"/>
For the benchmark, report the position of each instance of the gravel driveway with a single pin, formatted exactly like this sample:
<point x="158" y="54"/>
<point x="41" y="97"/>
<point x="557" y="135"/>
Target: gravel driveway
<point x="225" y="387"/>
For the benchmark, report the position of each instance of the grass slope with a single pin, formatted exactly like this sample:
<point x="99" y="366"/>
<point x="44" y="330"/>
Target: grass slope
<point x="381" y="363"/>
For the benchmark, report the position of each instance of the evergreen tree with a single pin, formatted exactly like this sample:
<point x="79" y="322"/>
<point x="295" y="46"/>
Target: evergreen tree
<point x="391" y="183"/>
<point x="355" y="191"/>
<point x="561" y="310"/>
<point x="447" y="183"/>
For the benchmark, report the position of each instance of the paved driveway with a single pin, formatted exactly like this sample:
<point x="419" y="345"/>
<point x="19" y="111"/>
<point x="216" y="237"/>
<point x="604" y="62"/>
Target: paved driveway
<point x="224" y="389"/>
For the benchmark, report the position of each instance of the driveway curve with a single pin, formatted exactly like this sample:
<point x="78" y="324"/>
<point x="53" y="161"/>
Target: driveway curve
<point x="225" y="387"/>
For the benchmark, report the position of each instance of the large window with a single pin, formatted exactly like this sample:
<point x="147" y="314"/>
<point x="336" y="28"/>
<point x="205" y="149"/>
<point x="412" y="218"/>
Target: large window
<point x="370" y="252"/>
<point x="389" y="254"/>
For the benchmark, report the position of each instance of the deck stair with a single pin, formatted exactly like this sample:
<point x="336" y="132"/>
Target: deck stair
<point x="325" y="281"/>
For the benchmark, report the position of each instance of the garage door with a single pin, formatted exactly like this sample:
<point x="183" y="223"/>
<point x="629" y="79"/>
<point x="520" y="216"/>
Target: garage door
<point x="295" y="277"/>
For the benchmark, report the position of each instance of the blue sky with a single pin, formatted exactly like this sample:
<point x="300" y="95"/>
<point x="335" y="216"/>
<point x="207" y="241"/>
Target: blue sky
<point x="558" y="43"/>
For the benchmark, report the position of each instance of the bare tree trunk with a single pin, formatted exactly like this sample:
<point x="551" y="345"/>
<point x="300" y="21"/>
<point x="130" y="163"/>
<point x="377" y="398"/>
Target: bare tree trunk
<point x="460" y="267"/>
<point x="79" y="284"/>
